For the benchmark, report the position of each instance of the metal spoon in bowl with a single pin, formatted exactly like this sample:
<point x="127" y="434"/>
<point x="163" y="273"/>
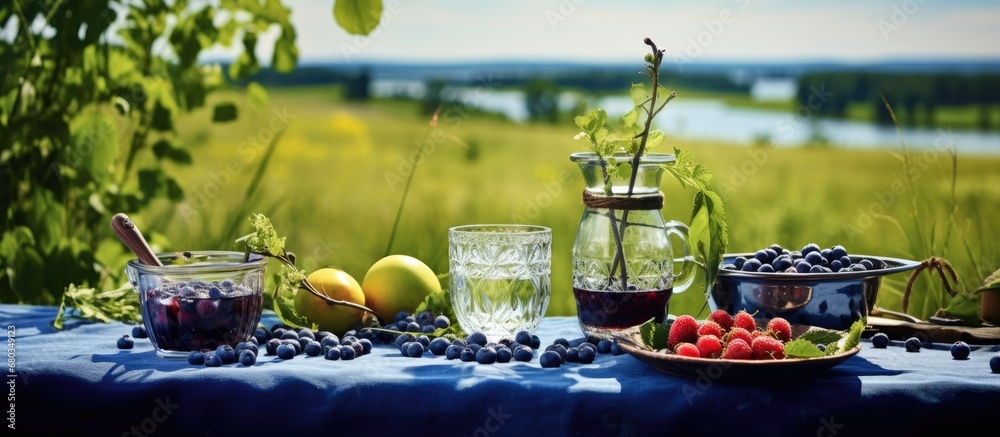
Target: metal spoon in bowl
<point x="126" y="231"/>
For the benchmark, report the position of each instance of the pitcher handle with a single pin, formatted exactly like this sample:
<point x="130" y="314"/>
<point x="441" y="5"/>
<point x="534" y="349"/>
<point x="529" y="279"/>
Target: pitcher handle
<point x="685" y="276"/>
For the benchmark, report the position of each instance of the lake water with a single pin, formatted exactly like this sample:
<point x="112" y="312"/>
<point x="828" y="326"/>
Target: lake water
<point x="707" y="119"/>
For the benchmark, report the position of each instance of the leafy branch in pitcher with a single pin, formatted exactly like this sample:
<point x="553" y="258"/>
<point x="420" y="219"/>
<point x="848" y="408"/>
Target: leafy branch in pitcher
<point x="265" y="241"/>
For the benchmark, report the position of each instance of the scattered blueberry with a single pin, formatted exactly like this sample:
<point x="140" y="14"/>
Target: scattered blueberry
<point x="439" y="345"/>
<point x="572" y="355"/>
<point x="414" y="349"/>
<point x="213" y="360"/>
<point x="366" y="346"/>
<point x="564" y="342"/>
<point x="477" y="338"/>
<point x="616" y="349"/>
<point x="289" y="335"/>
<point x="248" y="358"/>
<point x="442" y="322"/>
<point x="306" y="332"/>
<point x="330" y="340"/>
<point x="313" y="348"/>
<point x="333" y="353"/>
<point x="271" y="348"/>
<point x="453" y="352"/>
<point x="535" y="342"/>
<point x="125" y="342"/>
<point x="504" y="354"/>
<point x="486" y="355"/>
<point x="960" y="350"/>
<point x="347" y="353"/>
<point x="604" y="346"/>
<point x="995" y="364"/>
<point x="139" y="332"/>
<point x="587" y="354"/>
<point x="523" y="353"/>
<point x="550" y="359"/>
<point x="880" y="340"/>
<point x="523" y="337"/>
<point x="196" y="357"/>
<point x="424" y="340"/>
<point x="468" y="355"/>
<point x="286" y="351"/>
<point x="912" y="344"/>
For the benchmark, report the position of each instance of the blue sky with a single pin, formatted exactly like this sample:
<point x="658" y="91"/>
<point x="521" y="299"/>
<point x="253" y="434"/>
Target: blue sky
<point x="598" y="30"/>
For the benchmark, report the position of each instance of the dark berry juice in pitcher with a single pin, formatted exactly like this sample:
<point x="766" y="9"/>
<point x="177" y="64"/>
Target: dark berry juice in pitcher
<point x="603" y="312"/>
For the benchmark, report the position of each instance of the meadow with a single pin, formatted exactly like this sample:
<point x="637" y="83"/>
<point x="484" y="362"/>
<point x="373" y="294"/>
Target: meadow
<point x="336" y="177"/>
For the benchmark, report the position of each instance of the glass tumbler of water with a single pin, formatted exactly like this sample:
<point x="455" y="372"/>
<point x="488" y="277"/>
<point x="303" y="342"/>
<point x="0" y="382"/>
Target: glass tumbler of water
<point x="500" y="277"/>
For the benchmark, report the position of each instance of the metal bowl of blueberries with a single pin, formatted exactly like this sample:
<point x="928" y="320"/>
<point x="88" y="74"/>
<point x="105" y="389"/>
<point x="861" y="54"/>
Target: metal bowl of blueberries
<point x="199" y="300"/>
<point x="829" y="288"/>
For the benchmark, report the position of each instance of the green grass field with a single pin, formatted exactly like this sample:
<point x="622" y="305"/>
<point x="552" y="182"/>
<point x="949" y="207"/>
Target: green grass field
<point x="336" y="178"/>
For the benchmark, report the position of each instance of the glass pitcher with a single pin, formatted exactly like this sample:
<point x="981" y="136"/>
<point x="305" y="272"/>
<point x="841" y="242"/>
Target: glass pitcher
<point x="623" y="262"/>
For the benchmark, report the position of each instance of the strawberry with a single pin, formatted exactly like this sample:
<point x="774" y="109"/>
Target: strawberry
<point x="737" y="349"/>
<point x="767" y="348"/>
<point x="739" y="333"/>
<point x="683" y="329"/>
<point x="709" y="346"/>
<point x="780" y="328"/>
<point x="709" y="327"/>
<point x="722" y="318"/>
<point x="744" y="320"/>
<point x="687" y="350"/>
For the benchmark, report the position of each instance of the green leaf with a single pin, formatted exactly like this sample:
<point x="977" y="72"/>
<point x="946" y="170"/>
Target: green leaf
<point x="820" y="336"/>
<point x="286" y="55"/>
<point x="257" y="94"/>
<point x="265" y="239"/>
<point x="224" y="112"/>
<point x="358" y="17"/>
<point x="655" y="138"/>
<point x="287" y="282"/>
<point x="654" y="335"/>
<point x="799" y="348"/>
<point x="95" y="142"/>
<point x="120" y="304"/>
<point x="639" y="94"/>
<point x="964" y="307"/>
<point x="853" y="337"/>
<point x="632" y="117"/>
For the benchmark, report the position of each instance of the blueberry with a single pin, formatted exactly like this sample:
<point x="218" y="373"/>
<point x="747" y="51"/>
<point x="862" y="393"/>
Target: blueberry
<point x="442" y="322"/>
<point x="247" y="346"/>
<point x="347" y="353"/>
<point x="771" y="254"/>
<point x="572" y="355"/>
<point x="995" y="364"/>
<point x="414" y="349"/>
<point x="261" y="335"/>
<point x="271" y="347"/>
<point x="359" y="350"/>
<point x="453" y="352"/>
<point x="459" y="342"/>
<point x="303" y="341"/>
<point x="836" y="265"/>
<point x="564" y="342"/>
<point x="587" y="354"/>
<point x="248" y="358"/>
<point x="838" y="252"/>
<point x="403" y="339"/>
<point x="845" y="261"/>
<point x="427" y="329"/>
<point x="196" y="357"/>
<point x="227" y="353"/>
<point x="912" y="344"/>
<point x="467" y="355"/>
<point x="523" y="353"/>
<point x="413" y="327"/>
<point x="306" y="332"/>
<point x="827" y="254"/>
<point x="289" y="335"/>
<point x="400" y="325"/>
<point x="752" y="265"/>
<point x="803" y="267"/>
<point x="212" y="360"/>
<point x="125" y="342"/>
<point x="550" y="359"/>
<point x="523" y="337"/>
<point x="858" y="268"/>
<point x="604" y="346"/>
<point x="294" y="344"/>
<point x="400" y="316"/>
<point x="588" y="345"/>
<point x="535" y="342"/>
<point x="139" y="332"/>
<point x="867" y="264"/>
<point x="486" y="355"/>
<point x="765" y="268"/>
<point x="504" y="355"/>
<point x="960" y="350"/>
<point x="729" y="267"/>
<point x="559" y="349"/>
<point x="277" y="333"/>
<point x="439" y="345"/>
<point x="286" y="351"/>
<point x="424" y="340"/>
<point x="776" y="247"/>
<point x="366" y="346"/>
<point x="616" y="349"/>
<point x="477" y="338"/>
<point x="333" y="353"/>
<point x="815" y="258"/>
<point x="782" y="263"/>
<point x="819" y="269"/>
<point x="762" y="257"/>
<point x="313" y="348"/>
<point x="474" y="346"/>
<point x="330" y="340"/>
<point x="809" y="248"/>
<point x="738" y="262"/>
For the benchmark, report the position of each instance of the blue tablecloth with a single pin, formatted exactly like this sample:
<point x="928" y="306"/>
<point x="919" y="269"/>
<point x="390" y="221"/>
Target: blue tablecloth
<point x="78" y="381"/>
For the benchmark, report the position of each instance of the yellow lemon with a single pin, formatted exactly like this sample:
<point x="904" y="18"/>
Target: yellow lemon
<point x="336" y="284"/>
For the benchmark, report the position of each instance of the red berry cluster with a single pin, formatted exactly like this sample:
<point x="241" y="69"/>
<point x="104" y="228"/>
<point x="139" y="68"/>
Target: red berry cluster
<point x="728" y="337"/>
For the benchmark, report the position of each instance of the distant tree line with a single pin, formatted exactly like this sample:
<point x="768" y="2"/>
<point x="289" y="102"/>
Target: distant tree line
<point x="356" y="84"/>
<point x="915" y="98"/>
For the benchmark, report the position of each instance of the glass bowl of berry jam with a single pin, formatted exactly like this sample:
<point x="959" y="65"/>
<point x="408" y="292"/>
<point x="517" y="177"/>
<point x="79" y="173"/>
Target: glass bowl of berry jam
<point x="199" y="300"/>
